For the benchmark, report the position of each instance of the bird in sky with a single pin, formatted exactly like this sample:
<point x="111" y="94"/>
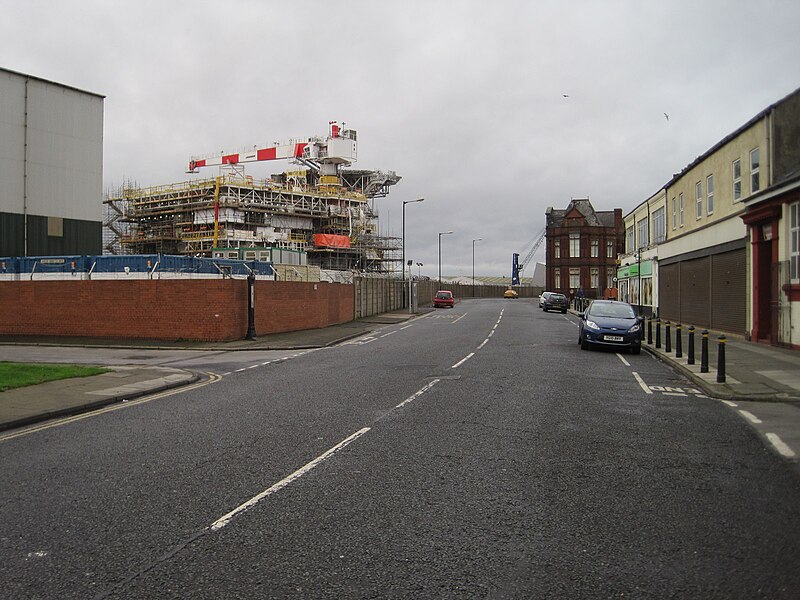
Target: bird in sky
<point x="667" y="116"/>
<point x="565" y="95"/>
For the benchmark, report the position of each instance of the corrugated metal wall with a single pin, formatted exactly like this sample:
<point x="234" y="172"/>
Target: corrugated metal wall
<point x="695" y="292"/>
<point x="669" y="292"/>
<point x="729" y="291"/>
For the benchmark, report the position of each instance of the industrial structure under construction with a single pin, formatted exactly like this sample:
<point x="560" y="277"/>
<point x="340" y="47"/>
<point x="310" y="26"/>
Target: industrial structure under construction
<point x="321" y="211"/>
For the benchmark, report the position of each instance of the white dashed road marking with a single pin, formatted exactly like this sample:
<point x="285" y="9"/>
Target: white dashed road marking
<point x="780" y="446"/>
<point x="750" y="416"/>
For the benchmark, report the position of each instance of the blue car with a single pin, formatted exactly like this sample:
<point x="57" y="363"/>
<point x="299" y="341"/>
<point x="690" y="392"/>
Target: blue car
<point x="610" y="324"/>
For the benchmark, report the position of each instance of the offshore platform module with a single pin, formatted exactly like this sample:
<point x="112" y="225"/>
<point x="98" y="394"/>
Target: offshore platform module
<point x="321" y="208"/>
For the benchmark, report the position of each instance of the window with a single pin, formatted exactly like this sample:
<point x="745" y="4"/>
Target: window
<point x="737" y="180"/>
<point x="574" y="245"/>
<point x="680" y="208"/>
<point x="698" y="198"/>
<point x="794" y="234"/>
<point x="595" y="283"/>
<point x="630" y="240"/>
<point x="643" y="233"/>
<point x="755" y="167"/>
<point x="595" y="250"/>
<point x="575" y="278"/>
<point x="556" y="278"/>
<point x="610" y="249"/>
<point x="610" y="282"/>
<point x="557" y="248"/>
<point x="674" y="213"/>
<point x="710" y="194"/>
<point x="660" y="224"/>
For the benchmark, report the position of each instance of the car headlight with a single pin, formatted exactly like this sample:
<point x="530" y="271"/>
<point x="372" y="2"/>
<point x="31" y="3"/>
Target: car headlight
<point x="592" y="325"/>
<point x="635" y="328"/>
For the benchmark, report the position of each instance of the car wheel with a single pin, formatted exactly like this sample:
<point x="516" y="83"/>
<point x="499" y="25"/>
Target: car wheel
<point x="636" y="350"/>
<point x="563" y="312"/>
<point x="584" y="344"/>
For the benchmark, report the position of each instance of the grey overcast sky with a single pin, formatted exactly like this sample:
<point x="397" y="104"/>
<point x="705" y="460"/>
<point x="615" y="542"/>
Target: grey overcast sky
<point x="463" y="99"/>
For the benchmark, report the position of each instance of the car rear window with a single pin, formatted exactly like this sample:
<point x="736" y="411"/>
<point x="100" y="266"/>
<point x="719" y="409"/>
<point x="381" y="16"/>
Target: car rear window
<point x="444" y="295"/>
<point x="557" y="297"/>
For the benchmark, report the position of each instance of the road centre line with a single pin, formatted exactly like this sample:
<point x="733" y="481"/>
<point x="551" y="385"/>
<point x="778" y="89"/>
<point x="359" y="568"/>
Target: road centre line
<point x="459" y="318"/>
<point x="483" y="343"/>
<point x="780" y="445"/>
<point x="225" y="519"/>
<point x="418" y="393"/>
<point x="750" y="416"/>
<point x="646" y="389"/>
<point x="463" y="360"/>
<point x="388" y="334"/>
<point x="622" y="358"/>
<point x="406" y="327"/>
<point x="729" y="403"/>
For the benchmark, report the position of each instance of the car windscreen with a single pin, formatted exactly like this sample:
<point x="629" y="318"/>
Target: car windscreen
<point x="616" y="311"/>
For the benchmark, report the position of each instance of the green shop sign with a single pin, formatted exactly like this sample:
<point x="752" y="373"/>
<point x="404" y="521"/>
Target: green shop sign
<point x="634" y="271"/>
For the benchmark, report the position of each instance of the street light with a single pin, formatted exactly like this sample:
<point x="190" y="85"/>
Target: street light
<point x="473" y="265"/>
<point x="404" y="232"/>
<point x="441" y="233"/>
<point x="419" y="270"/>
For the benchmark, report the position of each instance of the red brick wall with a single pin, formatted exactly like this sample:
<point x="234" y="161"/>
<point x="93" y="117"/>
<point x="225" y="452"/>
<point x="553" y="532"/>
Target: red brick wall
<point x="168" y="309"/>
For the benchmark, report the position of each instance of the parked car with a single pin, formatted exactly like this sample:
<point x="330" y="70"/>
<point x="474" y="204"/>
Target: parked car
<point x="509" y="293"/>
<point x="611" y="324"/>
<point x="444" y="298"/>
<point x="554" y="300"/>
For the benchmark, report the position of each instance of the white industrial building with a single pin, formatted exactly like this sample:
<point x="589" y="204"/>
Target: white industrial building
<point x="51" y="167"/>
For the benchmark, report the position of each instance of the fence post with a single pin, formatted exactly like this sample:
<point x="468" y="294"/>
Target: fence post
<point x="667" y="339"/>
<point x="678" y="341"/>
<point x="721" y="359"/>
<point x="704" y="352"/>
<point x="690" y="360"/>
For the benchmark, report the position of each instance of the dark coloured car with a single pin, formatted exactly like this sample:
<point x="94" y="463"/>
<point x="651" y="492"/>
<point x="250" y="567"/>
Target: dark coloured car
<point x="610" y="324"/>
<point x="444" y="298"/>
<point x="554" y="301"/>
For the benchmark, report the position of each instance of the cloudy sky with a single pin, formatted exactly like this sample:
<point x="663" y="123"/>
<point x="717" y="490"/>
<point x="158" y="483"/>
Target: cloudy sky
<point x="463" y="99"/>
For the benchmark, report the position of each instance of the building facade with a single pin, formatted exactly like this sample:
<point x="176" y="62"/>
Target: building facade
<point x="582" y="246"/>
<point x="772" y="218"/>
<point x="637" y="275"/>
<point x="51" y="167"/>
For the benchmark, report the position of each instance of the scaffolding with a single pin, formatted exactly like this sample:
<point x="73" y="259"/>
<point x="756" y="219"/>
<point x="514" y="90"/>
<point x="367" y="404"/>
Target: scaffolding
<point x="235" y="211"/>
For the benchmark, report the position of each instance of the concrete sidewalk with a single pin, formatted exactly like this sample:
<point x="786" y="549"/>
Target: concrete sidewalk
<point x="28" y="405"/>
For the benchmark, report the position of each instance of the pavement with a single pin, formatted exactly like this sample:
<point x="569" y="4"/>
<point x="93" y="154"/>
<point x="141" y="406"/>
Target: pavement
<point x="754" y="373"/>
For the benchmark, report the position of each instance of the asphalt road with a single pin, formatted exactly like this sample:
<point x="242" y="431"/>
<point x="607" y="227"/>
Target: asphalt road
<point x="472" y="453"/>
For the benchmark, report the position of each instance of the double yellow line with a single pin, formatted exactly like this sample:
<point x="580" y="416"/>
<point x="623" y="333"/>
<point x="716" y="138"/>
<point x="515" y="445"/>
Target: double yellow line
<point x="211" y="378"/>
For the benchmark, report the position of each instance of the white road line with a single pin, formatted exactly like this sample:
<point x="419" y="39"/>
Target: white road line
<point x="750" y="416"/>
<point x="483" y="343"/>
<point x="463" y="360"/>
<point x="624" y="362"/>
<point x="491" y="333"/>
<point x="264" y="364"/>
<point x="646" y="389"/>
<point x="458" y="319"/>
<point x="224" y="374"/>
<point x="418" y="393"/>
<point x="406" y="327"/>
<point x="224" y="520"/>
<point x="675" y="394"/>
<point x="253" y="366"/>
<point x="495" y="327"/>
<point x="780" y="445"/>
<point x="388" y="334"/>
<point x="729" y="403"/>
<point x="242" y="369"/>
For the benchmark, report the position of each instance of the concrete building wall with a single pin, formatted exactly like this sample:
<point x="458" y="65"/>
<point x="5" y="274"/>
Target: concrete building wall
<point x="51" y="167"/>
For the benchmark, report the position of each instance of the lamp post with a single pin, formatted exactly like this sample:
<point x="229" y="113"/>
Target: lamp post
<point x="441" y="233"/>
<point x="473" y="265"/>
<point x="419" y="270"/>
<point x="403" y="266"/>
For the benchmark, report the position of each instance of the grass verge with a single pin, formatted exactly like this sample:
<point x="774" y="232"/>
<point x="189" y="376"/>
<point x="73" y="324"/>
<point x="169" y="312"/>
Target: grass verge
<point x="17" y="375"/>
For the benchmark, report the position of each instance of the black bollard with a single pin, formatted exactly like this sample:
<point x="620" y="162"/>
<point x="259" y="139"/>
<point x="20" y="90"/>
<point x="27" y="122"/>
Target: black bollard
<point x="658" y="333"/>
<point x="704" y="352"/>
<point x="678" y="342"/>
<point x="650" y="331"/>
<point x="721" y="360"/>
<point x="690" y="360"/>
<point x="667" y="339"/>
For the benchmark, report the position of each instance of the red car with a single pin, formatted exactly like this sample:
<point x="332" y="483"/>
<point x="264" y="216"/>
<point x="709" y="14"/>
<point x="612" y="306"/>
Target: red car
<point x="444" y="298"/>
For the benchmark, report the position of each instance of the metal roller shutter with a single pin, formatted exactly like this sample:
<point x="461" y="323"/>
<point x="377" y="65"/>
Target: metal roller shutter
<point x="695" y="292"/>
<point x="729" y="291"/>
<point x="669" y="292"/>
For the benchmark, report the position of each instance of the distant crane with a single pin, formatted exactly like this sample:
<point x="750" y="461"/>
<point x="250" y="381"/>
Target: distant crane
<point x="516" y="266"/>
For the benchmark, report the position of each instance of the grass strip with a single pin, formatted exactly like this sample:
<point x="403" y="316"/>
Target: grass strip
<point x="17" y="375"/>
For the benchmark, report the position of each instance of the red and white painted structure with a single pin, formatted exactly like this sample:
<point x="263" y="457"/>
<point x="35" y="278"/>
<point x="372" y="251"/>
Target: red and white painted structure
<point x="326" y="154"/>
